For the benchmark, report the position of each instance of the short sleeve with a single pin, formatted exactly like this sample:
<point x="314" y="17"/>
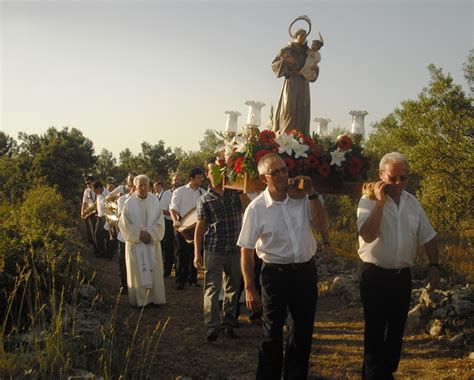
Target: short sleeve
<point x="364" y="209"/>
<point x="425" y="232"/>
<point x="248" y="234"/>
<point x="200" y="210"/>
<point x="84" y="196"/>
<point x="174" y="201"/>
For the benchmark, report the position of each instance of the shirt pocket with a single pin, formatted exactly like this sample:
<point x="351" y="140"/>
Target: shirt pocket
<point x="413" y="224"/>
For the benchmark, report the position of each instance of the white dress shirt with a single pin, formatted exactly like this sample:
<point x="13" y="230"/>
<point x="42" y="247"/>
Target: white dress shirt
<point x="280" y="232"/>
<point x="402" y="228"/>
<point x="88" y="197"/>
<point x="184" y="199"/>
<point x="101" y="203"/>
<point x="165" y="200"/>
<point x="121" y="189"/>
<point x="120" y="203"/>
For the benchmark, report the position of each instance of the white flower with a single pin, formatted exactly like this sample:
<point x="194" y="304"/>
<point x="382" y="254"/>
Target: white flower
<point x="337" y="157"/>
<point x="289" y="144"/>
<point x="285" y="142"/>
<point x="300" y="150"/>
<point x="240" y="144"/>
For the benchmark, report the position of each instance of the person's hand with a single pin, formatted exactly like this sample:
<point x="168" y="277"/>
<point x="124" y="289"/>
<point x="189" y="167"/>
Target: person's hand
<point x="300" y="186"/>
<point x="145" y="237"/>
<point x="197" y="260"/>
<point x="434" y="278"/>
<point x="176" y="224"/>
<point x="326" y="253"/>
<point x="253" y="300"/>
<point x="379" y="191"/>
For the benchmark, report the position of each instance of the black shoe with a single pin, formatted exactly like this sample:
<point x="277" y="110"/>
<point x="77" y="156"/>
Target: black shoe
<point x="228" y="332"/>
<point x="179" y="286"/>
<point x="212" y="335"/>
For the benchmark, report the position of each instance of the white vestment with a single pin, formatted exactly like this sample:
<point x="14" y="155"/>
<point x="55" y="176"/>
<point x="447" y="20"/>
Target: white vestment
<point x="144" y="261"/>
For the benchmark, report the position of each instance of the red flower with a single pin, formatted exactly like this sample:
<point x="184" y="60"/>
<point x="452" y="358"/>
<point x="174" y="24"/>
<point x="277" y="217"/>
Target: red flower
<point x="310" y="142"/>
<point x="354" y="166"/>
<point x="290" y="163"/>
<point x="238" y="164"/>
<point x="312" y="162"/>
<point x="260" y="153"/>
<point x="267" y="137"/>
<point x="296" y="134"/>
<point x="344" y="142"/>
<point x="324" y="169"/>
<point x="317" y="150"/>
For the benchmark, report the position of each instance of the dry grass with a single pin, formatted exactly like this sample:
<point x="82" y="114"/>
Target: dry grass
<point x="337" y="345"/>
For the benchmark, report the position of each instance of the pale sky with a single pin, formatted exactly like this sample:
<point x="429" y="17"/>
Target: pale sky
<point x="132" y="71"/>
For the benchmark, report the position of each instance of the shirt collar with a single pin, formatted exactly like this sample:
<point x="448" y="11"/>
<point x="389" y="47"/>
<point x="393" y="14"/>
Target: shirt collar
<point x="269" y="201"/>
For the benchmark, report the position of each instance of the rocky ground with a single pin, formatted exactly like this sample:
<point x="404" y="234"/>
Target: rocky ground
<point x="179" y="348"/>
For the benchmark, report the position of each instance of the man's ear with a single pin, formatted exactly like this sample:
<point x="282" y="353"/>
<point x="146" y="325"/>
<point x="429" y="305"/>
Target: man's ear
<point x="263" y="178"/>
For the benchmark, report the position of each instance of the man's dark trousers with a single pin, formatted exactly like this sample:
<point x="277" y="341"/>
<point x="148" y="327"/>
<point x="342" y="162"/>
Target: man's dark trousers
<point x="101" y="237"/>
<point x="185" y="270"/>
<point x="385" y="295"/>
<point x="167" y="248"/>
<point x="287" y="288"/>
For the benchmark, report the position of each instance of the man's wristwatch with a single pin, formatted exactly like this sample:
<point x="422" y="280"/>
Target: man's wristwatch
<point x="313" y="196"/>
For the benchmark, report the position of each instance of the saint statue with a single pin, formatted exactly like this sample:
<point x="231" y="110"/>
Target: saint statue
<point x="297" y="63"/>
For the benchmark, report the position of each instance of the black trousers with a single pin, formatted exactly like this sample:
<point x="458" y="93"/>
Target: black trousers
<point x="385" y="295"/>
<point x="90" y="223"/>
<point x="111" y="242"/>
<point x="167" y="248"/>
<point x="122" y="266"/>
<point x="290" y="288"/>
<point x="185" y="270"/>
<point x="101" y="236"/>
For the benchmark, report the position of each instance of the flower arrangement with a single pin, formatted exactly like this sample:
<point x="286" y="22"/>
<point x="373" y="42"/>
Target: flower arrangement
<point x="333" y="161"/>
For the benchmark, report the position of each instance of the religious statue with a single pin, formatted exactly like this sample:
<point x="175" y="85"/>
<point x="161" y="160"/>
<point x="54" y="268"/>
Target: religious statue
<point x="299" y="65"/>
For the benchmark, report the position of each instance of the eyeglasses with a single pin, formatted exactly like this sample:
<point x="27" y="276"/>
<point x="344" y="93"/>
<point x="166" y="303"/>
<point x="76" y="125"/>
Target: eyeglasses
<point x="394" y="178"/>
<point x="277" y="172"/>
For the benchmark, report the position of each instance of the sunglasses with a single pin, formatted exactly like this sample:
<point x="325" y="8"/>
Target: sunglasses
<point x="277" y="172"/>
<point x="393" y="179"/>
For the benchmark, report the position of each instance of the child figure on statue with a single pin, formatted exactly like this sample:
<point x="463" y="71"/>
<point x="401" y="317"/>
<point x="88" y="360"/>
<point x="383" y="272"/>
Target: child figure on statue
<point x="310" y="69"/>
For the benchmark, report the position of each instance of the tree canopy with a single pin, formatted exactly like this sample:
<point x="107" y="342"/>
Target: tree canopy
<point x="435" y="133"/>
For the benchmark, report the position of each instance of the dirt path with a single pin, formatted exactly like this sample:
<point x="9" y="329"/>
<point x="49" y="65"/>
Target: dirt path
<point x="183" y="350"/>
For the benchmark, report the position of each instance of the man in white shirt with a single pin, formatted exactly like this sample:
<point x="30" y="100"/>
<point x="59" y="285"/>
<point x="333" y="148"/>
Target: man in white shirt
<point x="391" y="223"/>
<point x="88" y="201"/>
<point x="278" y="225"/>
<point x="167" y="244"/>
<point x="121" y="241"/>
<point x="100" y="232"/>
<point x="183" y="201"/>
<point x="122" y="189"/>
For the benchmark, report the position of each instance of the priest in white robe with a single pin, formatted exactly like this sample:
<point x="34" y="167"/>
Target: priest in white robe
<point x="142" y="227"/>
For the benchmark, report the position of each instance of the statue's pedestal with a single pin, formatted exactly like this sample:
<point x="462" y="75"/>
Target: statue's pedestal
<point x="244" y="183"/>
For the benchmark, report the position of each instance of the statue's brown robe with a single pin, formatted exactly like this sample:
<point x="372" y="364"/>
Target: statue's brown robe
<point x="293" y="111"/>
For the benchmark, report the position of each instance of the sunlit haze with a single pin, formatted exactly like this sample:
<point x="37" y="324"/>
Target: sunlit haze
<point x="127" y="72"/>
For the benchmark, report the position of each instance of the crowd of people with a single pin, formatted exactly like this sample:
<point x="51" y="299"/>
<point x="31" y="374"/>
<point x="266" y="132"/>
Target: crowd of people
<point x="264" y="244"/>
